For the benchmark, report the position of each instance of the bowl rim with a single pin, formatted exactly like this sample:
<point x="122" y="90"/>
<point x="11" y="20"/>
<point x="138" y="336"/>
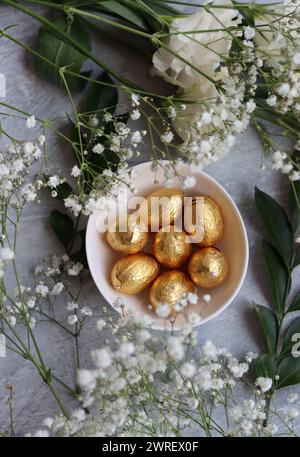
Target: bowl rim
<point x="156" y="325"/>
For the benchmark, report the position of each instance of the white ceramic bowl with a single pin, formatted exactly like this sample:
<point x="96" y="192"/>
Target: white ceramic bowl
<point x="234" y="244"/>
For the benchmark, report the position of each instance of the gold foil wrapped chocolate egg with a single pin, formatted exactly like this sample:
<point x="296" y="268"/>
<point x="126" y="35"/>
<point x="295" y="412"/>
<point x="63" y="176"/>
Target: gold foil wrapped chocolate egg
<point x="171" y="248"/>
<point x="161" y="207"/>
<point x="134" y="273"/>
<point x="127" y="238"/>
<point x="208" y="267"/>
<point x="207" y="221"/>
<point x="169" y="288"/>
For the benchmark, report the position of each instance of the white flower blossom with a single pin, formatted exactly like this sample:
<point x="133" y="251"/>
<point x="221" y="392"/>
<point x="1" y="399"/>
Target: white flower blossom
<point x="30" y="122"/>
<point x="264" y="383"/>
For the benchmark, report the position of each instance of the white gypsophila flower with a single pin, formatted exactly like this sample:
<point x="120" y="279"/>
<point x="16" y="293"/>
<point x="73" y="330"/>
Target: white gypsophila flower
<point x="85" y="378"/>
<point x="6" y="254"/>
<point x="30" y="303"/>
<point x="175" y="348"/>
<point x="136" y="137"/>
<point x="57" y="289"/>
<point x="93" y="121"/>
<point x="75" y="172"/>
<point x="163" y="310"/>
<point x="167" y="137"/>
<point x="188" y="182"/>
<point x="250" y="356"/>
<point x="71" y="306"/>
<point x="100" y="324"/>
<point x="54" y="181"/>
<point x="42" y="289"/>
<point x="86" y="311"/>
<point x="12" y="320"/>
<point x="206" y="298"/>
<point x="289" y="413"/>
<point x="271" y="429"/>
<point x="264" y="383"/>
<point x="75" y="269"/>
<point x="135" y="100"/>
<point x="48" y="422"/>
<point x="210" y="350"/>
<point x="188" y="370"/>
<point x="192" y="298"/>
<point x="30" y="122"/>
<point x="102" y="357"/>
<point x="135" y="114"/>
<point x="126" y="349"/>
<point x="249" y="32"/>
<point x="194" y="318"/>
<point x="72" y="319"/>
<point x="98" y="148"/>
<point x="79" y="414"/>
<point x="41" y="140"/>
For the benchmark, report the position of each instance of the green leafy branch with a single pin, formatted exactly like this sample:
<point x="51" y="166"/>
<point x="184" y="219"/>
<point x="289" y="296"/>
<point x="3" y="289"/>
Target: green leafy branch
<point x="281" y="253"/>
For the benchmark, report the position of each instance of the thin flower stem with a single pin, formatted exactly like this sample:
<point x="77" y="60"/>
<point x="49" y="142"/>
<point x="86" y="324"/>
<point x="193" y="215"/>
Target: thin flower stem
<point x="58" y="399"/>
<point x="63" y="384"/>
<point x="52" y="319"/>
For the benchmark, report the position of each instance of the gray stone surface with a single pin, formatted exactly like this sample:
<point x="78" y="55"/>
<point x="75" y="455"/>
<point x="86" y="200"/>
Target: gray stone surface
<point x="236" y="328"/>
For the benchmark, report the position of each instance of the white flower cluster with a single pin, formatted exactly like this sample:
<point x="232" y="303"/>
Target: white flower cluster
<point x="6" y="255"/>
<point x="278" y="45"/>
<point x="15" y="162"/>
<point x="149" y="385"/>
<point x="117" y="143"/>
<point x="281" y="161"/>
<point x="61" y="272"/>
<point x="54" y="286"/>
<point x="214" y="86"/>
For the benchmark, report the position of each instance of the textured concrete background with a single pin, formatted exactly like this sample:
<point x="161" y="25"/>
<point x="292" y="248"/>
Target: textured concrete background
<point x="236" y="328"/>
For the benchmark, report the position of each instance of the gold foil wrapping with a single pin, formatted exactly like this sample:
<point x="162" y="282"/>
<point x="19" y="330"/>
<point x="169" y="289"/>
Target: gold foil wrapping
<point x="169" y="288"/>
<point x="162" y="207"/>
<point x="130" y="241"/>
<point x="134" y="273"/>
<point x="208" y="267"/>
<point x="171" y="248"/>
<point x="207" y="221"/>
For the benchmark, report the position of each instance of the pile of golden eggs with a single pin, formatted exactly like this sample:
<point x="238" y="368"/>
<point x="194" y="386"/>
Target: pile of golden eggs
<point x="188" y="264"/>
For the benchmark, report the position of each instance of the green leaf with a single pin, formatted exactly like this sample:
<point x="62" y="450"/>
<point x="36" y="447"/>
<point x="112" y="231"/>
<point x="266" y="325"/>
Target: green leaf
<point x="295" y="204"/>
<point x="64" y="55"/>
<point x="295" y="305"/>
<point x="289" y="372"/>
<point x="63" y="227"/>
<point x="265" y="366"/>
<point x="125" y="12"/>
<point x="101" y="97"/>
<point x="277" y="224"/>
<point x="63" y="190"/>
<point x="162" y="9"/>
<point x="269" y="325"/>
<point x="289" y="340"/>
<point x="80" y="255"/>
<point x="278" y="274"/>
